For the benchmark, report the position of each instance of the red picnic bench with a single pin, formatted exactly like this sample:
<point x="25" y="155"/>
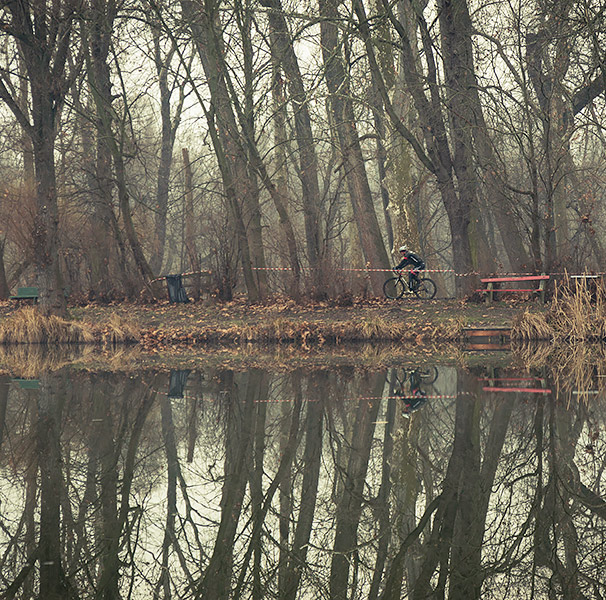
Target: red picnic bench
<point x="490" y="282"/>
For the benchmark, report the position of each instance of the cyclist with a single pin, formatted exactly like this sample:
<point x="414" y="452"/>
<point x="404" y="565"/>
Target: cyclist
<point x="414" y="260"/>
<point x="414" y="399"/>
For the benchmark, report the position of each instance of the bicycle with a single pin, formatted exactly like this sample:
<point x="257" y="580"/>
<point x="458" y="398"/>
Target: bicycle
<point x="424" y="375"/>
<point x="395" y="287"/>
<point x="416" y="396"/>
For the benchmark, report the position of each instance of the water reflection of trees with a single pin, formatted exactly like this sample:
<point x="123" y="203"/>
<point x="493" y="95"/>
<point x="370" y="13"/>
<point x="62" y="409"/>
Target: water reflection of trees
<point x="297" y="485"/>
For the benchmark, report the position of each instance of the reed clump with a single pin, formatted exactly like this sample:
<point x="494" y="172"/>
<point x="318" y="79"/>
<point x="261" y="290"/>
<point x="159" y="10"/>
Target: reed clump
<point x="119" y="330"/>
<point x="532" y="355"/>
<point x="376" y="328"/>
<point x="28" y="361"/>
<point x="29" y="326"/>
<point x="578" y="310"/>
<point x="577" y="314"/>
<point x="576" y="371"/>
<point x="531" y="326"/>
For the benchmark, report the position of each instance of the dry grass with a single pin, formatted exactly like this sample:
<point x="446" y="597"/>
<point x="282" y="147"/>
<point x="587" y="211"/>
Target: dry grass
<point x="28" y="361"/>
<point x="305" y="332"/>
<point x="119" y="330"/>
<point x="577" y="314"/>
<point x="452" y="329"/>
<point x="28" y="326"/>
<point x="578" y="371"/>
<point x="532" y="355"/>
<point x="531" y="326"/>
<point x="578" y="310"/>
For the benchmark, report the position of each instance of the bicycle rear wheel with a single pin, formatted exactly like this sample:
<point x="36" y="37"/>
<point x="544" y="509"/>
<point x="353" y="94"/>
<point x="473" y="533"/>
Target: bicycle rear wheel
<point x="393" y="288"/>
<point x="426" y="289"/>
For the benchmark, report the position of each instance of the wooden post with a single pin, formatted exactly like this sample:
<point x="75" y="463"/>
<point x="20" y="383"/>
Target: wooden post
<point x="542" y="286"/>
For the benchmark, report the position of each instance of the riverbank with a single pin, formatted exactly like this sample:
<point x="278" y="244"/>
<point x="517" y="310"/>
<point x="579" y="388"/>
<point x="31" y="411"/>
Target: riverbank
<point x="163" y="325"/>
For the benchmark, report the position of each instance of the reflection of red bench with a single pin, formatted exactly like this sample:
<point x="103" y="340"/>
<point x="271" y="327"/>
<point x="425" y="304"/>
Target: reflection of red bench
<point x="501" y="385"/>
<point x="517" y="389"/>
<point x="493" y="283"/>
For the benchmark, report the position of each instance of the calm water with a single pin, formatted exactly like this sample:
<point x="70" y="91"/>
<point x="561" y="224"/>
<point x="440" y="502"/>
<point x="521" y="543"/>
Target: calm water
<point x="479" y="478"/>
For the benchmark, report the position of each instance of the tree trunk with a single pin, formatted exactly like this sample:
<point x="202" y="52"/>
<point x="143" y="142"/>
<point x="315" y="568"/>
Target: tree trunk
<point x="350" y="504"/>
<point x="167" y="142"/>
<point x="105" y="227"/>
<point x="110" y="529"/>
<point x="548" y="60"/>
<point x="312" y="456"/>
<point x="283" y="54"/>
<point x="190" y="234"/>
<point x="435" y="154"/>
<point x="383" y="499"/>
<point x="466" y="549"/>
<point x="47" y="262"/>
<point x="459" y="71"/>
<point x="282" y="183"/>
<point x="501" y="205"/>
<point x="172" y="473"/>
<point x="238" y="444"/>
<point x="240" y="189"/>
<point x="4" y="385"/>
<point x="4" y="290"/>
<point x="52" y="576"/>
<point x="381" y="157"/>
<point x="344" y="121"/>
<point x="127" y="218"/>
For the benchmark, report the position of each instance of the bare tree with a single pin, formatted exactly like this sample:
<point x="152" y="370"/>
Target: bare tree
<point x="344" y="122"/>
<point x="283" y="53"/>
<point x="444" y="146"/>
<point x="42" y="33"/>
<point x="170" y="116"/>
<point x="231" y="146"/>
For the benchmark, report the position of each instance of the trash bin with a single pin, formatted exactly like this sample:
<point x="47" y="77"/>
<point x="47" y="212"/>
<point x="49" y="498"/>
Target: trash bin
<point x="176" y="291"/>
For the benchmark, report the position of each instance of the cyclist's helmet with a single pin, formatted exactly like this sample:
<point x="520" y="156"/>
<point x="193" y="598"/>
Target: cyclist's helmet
<point x="402" y="248"/>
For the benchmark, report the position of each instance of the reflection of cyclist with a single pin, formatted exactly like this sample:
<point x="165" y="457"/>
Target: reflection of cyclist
<point x="415" y="384"/>
<point x="416" y="397"/>
<point x="413" y="404"/>
<point x="415" y="261"/>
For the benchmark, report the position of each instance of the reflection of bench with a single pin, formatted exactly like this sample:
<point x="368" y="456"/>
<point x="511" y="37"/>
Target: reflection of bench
<point x="26" y="293"/>
<point x="27" y="384"/>
<point x="585" y="279"/>
<point x="493" y="283"/>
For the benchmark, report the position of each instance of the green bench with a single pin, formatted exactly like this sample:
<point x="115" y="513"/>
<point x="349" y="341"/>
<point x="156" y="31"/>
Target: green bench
<point x="26" y="293"/>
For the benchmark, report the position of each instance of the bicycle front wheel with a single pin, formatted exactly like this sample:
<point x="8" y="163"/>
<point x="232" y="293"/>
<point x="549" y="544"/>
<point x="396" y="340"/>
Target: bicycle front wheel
<point x="427" y="374"/>
<point x="393" y="288"/>
<point x="426" y="289"/>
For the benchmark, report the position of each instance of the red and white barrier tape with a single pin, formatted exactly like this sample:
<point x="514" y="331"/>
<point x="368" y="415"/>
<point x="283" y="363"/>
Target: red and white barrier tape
<point x="392" y="270"/>
<point x="371" y="398"/>
<point x="202" y="272"/>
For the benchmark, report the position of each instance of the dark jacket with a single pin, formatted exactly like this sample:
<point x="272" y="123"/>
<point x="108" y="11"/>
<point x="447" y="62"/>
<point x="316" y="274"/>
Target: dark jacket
<point x="412" y="259"/>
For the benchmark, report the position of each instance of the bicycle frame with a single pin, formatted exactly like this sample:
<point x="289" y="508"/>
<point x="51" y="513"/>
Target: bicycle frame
<point x="422" y="287"/>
